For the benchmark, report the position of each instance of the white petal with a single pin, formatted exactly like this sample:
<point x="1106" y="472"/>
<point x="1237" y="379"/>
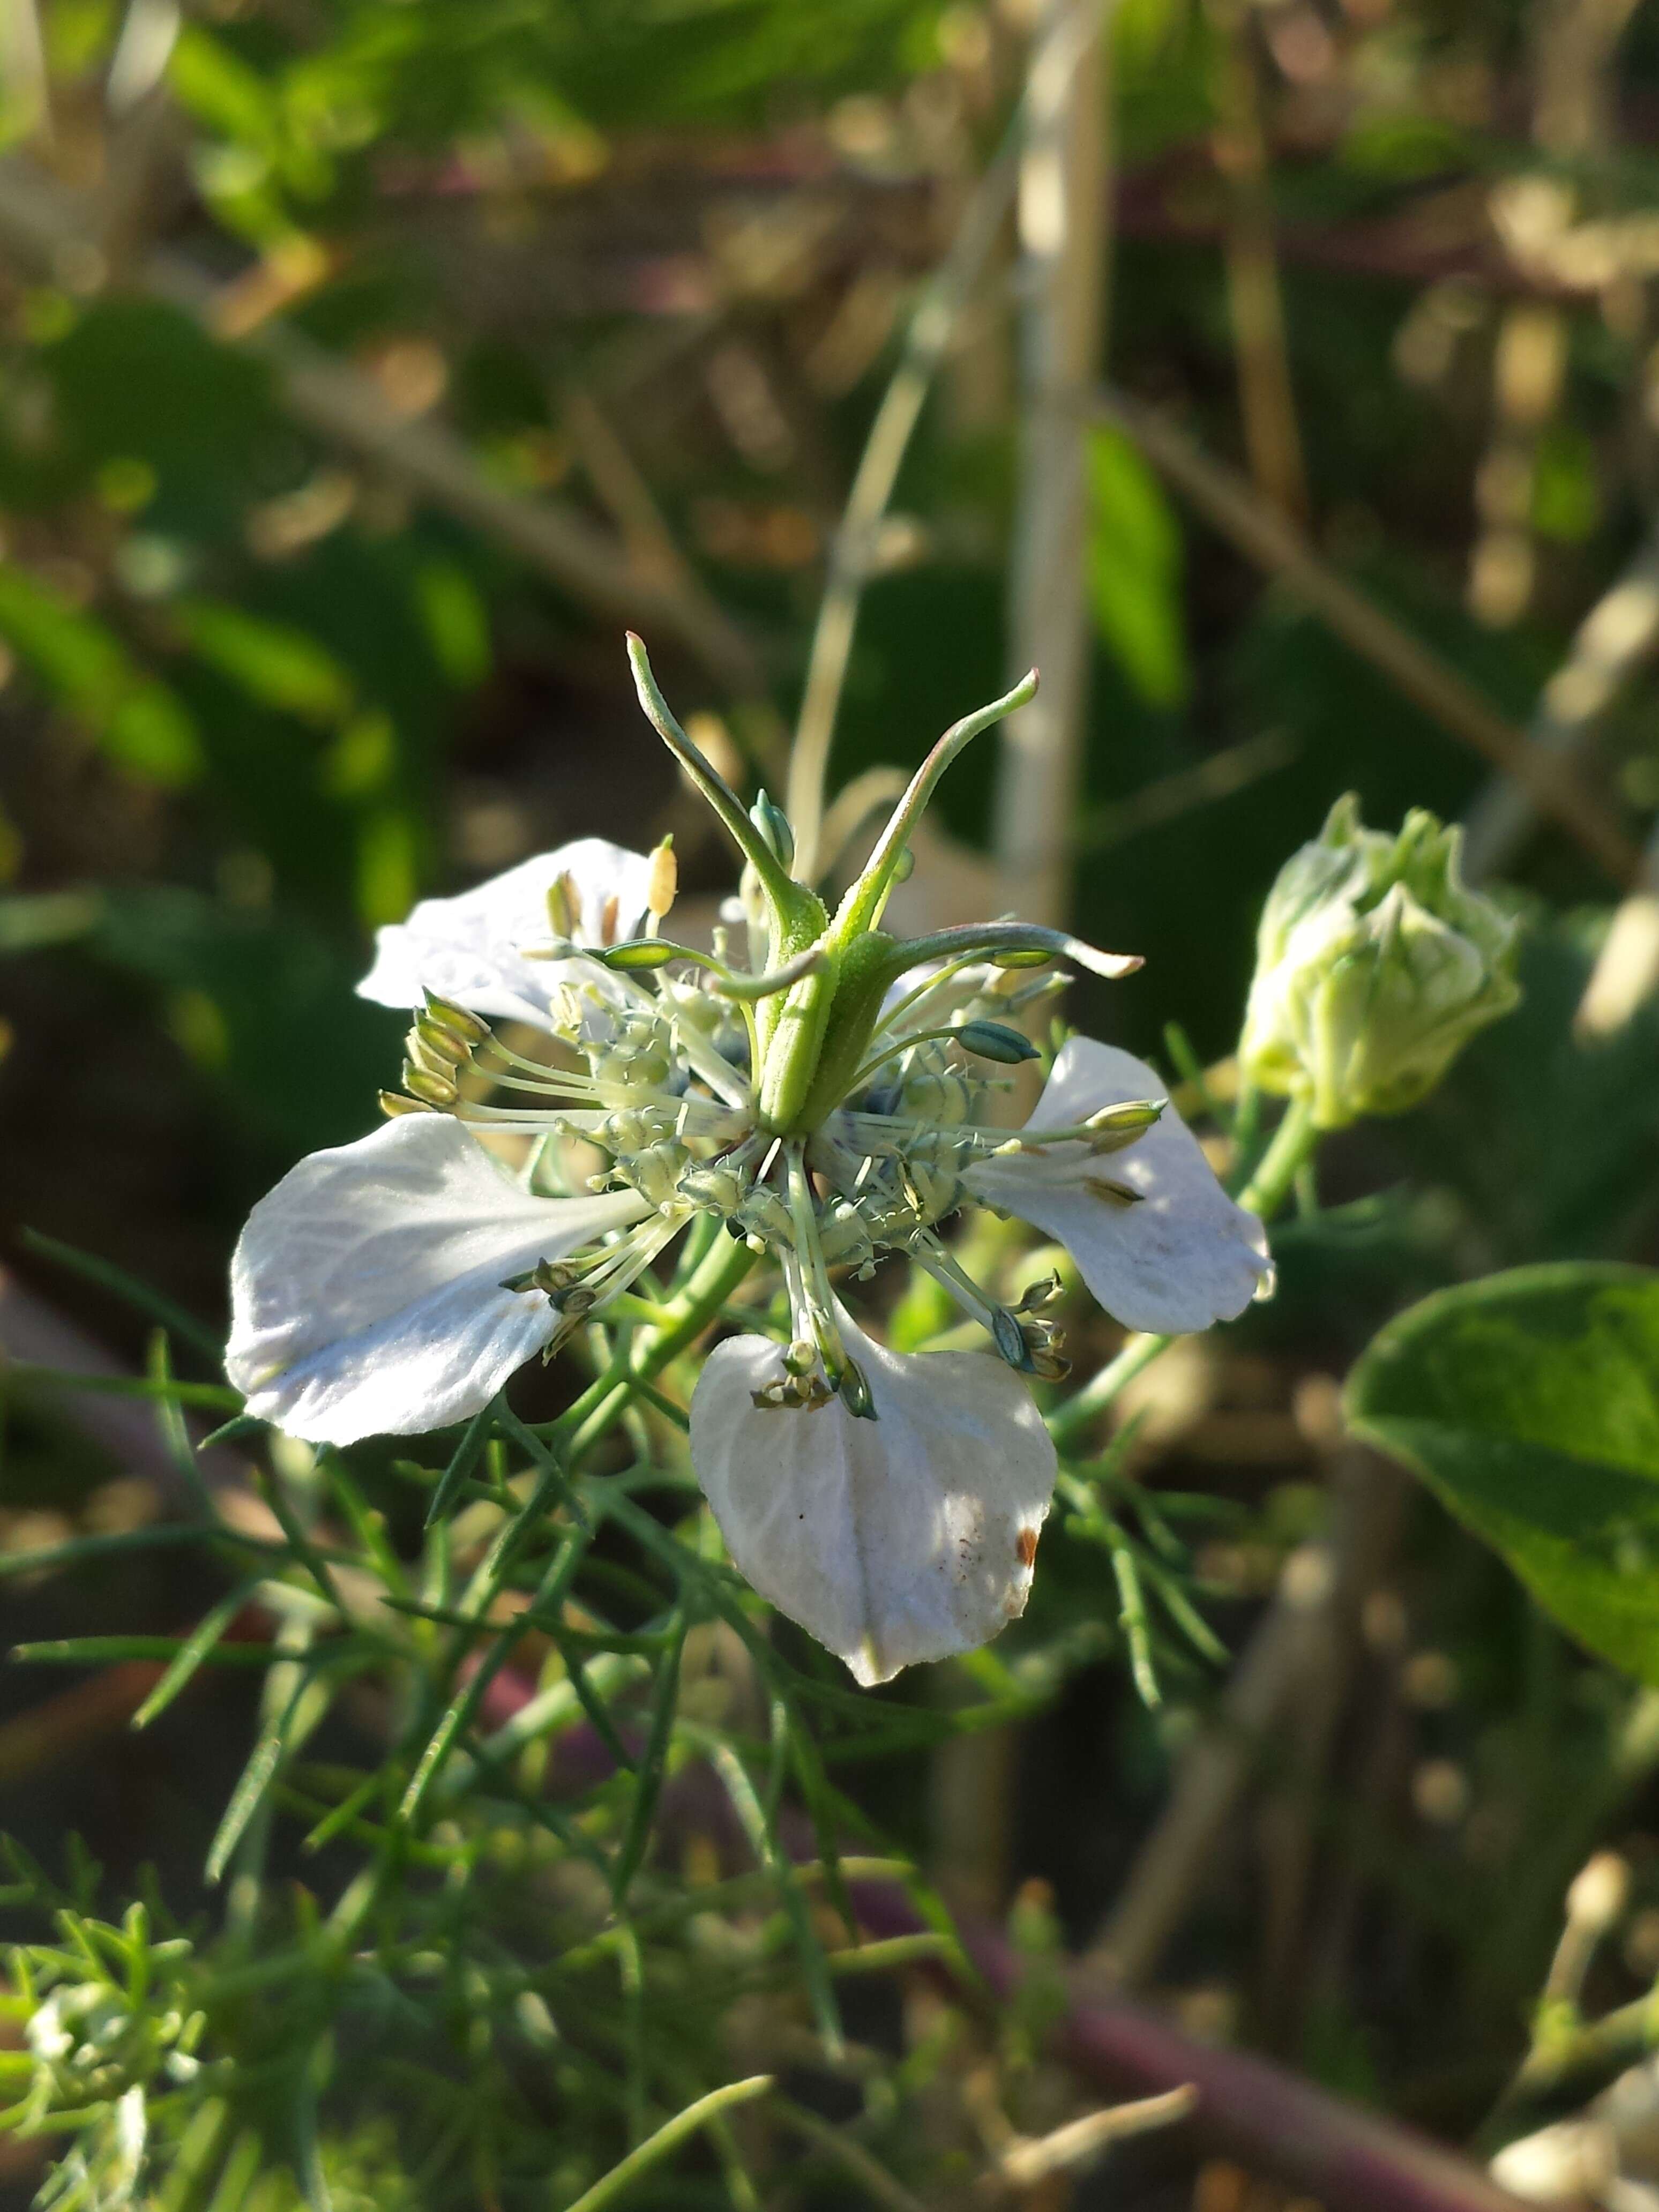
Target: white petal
<point x="471" y="949"/>
<point x="1183" y="1257"/>
<point x="365" y="1288"/>
<point x="905" y="1537"/>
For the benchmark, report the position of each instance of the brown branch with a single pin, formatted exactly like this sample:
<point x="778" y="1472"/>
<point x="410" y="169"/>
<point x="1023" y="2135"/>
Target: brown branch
<point x="1351" y="2159"/>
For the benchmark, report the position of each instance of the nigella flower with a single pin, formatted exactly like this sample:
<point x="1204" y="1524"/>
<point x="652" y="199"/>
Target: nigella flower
<point x="826" y="1102"/>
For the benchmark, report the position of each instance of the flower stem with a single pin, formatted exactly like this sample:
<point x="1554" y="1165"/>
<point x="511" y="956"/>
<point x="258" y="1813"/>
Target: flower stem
<point x="1291" y="1147"/>
<point x="684" y="1318"/>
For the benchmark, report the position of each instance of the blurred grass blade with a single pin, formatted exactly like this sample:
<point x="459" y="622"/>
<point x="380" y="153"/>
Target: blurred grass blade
<point x="76" y="1550"/>
<point x="29" y="919"/>
<point x="592" y="1705"/>
<point x="209" y="1395"/>
<point x="113" y="1651"/>
<point x="129" y="1289"/>
<point x="467" y="1454"/>
<point x="232" y="1430"/>
<point x="764" y="1841"/>
<point x="669" y="2138"/>
<point x="304" y="1707"/>
<point x="200" y="1645"/>
<point x="652" y="1766"/>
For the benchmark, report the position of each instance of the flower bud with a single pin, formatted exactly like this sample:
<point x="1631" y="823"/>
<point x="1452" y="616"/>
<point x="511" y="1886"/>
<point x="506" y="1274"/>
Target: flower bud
<point x="774" y="825"/>
<point x="1375" y="964"/>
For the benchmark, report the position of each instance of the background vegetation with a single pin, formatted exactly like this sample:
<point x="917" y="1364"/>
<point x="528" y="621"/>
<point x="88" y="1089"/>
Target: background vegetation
<point x="365" y="365"/>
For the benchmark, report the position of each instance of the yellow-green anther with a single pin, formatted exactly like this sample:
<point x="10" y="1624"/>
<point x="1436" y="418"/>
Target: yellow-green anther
<point x="457" y="1018"/>
<point x="450" y="1046"/>
<point x="662" y="882"/>
<point x="432" y="1089"/>
<point x="424" y="1054"/>
<point x="393" y="1103"/>
<point x="563" y="905"/>
<point x="1132" y="1114"/>
<point x="641" y="952"/>
<point x="855" y="1391"/>
<point x="1006" y="1335"/>
<point x="1114" y="1193"/>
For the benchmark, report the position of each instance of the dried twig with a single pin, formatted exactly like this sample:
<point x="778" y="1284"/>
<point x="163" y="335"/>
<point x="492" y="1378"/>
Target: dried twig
<point x="850" y="553"/>
<point x="1254" y="298"/>
<point x="1352" y="2159"/>
<point x="1617" y="633"/>
<point x="1626" y="970"/>
<point x="1232" y="505"/>
<point x="1301" y="1639"/>
<point x="1028" y="2159"/>
<point x="1061" y="287"/>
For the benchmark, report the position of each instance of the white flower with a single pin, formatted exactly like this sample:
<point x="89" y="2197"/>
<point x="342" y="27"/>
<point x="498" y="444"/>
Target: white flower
<point x="471" y="948"/>
<point x="908" y="1537"/>
<point x="1157" y="1241"/>
<point x="828" y="1103"/>
<point x="366" y="1288"/>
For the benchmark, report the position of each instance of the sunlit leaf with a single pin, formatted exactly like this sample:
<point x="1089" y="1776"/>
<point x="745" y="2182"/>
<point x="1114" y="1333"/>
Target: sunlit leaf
<point x="1134" y="570"/>
<point x="1527" y="1402"/>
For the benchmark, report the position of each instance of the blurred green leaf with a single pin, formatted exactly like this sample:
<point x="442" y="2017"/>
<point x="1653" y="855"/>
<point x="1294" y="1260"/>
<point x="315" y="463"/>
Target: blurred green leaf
<point x="275" y="663"/>
<point x="298" y="1053"/>
<point x="1494" y="1130"/>
<point x="29" y="919"/>
<point x="1134" y="570"/>
<point x="1527" y="1403"/>
<point x="457" y="624"/>
<point x="137" y="720"/>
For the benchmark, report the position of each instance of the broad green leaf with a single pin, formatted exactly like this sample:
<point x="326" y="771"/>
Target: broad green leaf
<point x="1134" y="570"/>
<point x="1529" y="1404"/>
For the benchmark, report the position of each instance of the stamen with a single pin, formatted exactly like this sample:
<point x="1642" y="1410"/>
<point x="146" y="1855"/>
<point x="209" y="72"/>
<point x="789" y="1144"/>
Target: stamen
<point x="564" y="905"/>
<point x="817" y="1300"/>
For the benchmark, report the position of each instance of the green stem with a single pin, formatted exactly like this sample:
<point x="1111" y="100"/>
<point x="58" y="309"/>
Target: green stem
<point x="722" y="1267"/>
<point x="1291" y="1147"/>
